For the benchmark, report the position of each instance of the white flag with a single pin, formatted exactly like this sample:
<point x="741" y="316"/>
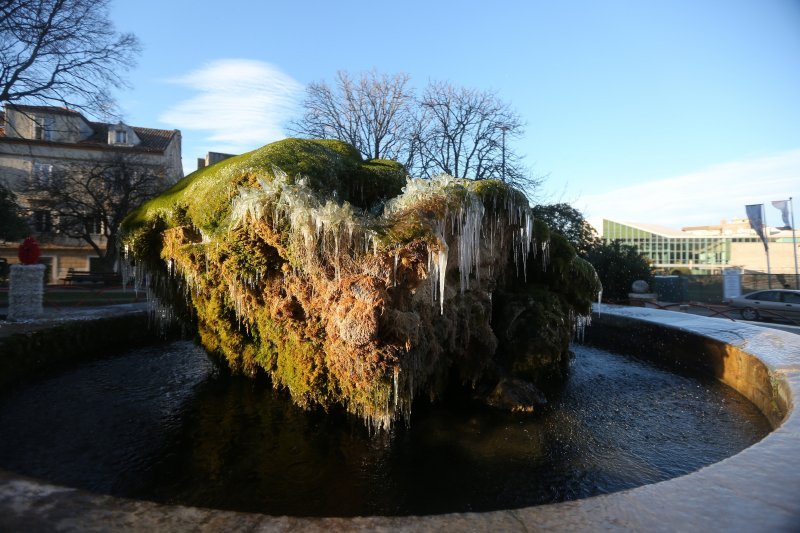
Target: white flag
<point x="783" y="206"/>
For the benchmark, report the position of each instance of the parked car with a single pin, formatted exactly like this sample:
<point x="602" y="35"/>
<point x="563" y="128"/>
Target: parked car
<point x="774" y="303"/>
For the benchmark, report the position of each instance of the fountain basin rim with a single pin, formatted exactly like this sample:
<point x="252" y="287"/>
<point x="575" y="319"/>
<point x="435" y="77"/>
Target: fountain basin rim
<point x="754" y="490"/>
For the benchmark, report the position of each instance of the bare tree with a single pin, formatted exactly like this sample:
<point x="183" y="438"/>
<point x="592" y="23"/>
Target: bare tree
<point x="62" y="52"/>
<point x="374" y="113"/>
<point x="467" y="134"/>
<point x="13" y="225"/>
<point x="458" y="131"/>
<point x="89" y="202"/>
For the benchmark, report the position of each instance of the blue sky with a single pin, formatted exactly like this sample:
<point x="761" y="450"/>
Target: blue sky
<point x="676" y="113"/>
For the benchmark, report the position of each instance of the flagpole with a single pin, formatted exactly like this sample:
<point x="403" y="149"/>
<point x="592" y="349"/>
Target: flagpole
<point x="794" y="245"/>
<point x="766" y="244"/>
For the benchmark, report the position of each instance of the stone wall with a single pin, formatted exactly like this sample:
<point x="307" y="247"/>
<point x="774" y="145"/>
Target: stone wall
<point x="751" y="256"/>
<point x="36" y="351"/>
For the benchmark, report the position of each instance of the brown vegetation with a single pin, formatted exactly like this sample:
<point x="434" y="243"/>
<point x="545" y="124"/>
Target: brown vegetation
<point x="342" y="307"/>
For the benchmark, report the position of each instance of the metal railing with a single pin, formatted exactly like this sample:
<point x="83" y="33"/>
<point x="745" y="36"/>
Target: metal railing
<point x="709" y="288"/>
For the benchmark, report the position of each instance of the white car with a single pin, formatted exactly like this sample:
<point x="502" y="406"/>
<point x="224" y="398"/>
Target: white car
<point x="773" y="303"/>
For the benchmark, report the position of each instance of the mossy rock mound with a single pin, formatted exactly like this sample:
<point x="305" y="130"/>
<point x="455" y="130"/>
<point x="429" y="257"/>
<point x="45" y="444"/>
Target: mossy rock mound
<point x="334" y="168"/>
<point x="279" y="260"/>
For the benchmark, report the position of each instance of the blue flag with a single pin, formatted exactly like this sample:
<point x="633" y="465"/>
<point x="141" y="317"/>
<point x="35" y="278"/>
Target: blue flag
<point x="757" y="221"/>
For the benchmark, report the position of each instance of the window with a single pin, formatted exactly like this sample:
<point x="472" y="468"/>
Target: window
<point x="791" y="297"/>
<point x="766" y="296"/>
<point x="93" y="224"/>
<point x="118" y="180"/>
<point x="42" y="174"/>
<point x="42" y="221"/>
<point x="121" y="137"/>
<point x="43" y="128"/>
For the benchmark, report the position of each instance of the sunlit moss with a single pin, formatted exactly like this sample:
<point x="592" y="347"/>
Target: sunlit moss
<point x="349" y="285"/>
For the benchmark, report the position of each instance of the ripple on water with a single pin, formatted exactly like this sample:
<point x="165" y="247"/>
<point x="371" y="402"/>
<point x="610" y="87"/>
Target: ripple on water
<point x="159" y="423"/>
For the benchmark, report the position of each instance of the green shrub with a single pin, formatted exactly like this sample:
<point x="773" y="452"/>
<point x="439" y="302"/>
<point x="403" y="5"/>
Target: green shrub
<point x="618" y="266"/>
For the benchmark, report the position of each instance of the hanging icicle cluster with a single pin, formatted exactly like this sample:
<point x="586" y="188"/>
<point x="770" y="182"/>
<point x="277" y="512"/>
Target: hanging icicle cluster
<point x="338" y="304"/>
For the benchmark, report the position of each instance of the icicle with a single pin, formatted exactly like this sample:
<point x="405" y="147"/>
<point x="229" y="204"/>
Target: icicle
<point x="394" y="271"/>
<point x="599" y="299"/>
<point x="433" y="277"/>
<point x="581" y="322"/>
<point x="469" y="239"/>
<point x="395" y="386"/>
<point x="441" y="267"/>
<point x="545" y="254"/>
<point x="336" y="261"/>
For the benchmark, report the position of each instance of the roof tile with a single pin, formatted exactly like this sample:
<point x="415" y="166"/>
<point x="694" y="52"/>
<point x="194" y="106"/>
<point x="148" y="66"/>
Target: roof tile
<point x="152" y="139"/>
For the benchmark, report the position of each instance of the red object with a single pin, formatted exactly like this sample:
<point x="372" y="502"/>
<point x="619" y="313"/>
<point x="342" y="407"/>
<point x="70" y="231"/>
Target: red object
<point x="29" y="251"/>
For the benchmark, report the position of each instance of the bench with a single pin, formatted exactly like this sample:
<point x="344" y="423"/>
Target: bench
<point x="80" y="276"/>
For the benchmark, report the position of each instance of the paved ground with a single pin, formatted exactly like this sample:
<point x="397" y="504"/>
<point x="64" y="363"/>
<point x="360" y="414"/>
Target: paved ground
<point x="53" y="315"/>
<point x="724" y="312"/>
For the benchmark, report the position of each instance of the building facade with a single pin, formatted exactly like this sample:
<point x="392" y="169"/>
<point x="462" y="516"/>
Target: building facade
<point x="705" y="249"/>
<point x="212" y="158"/>
<point x="39" y="142"/>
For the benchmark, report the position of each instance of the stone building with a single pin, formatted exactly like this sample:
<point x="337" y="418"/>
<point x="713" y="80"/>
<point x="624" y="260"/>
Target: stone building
<point x="37" y="142"/>
<point x="212" y="158"/>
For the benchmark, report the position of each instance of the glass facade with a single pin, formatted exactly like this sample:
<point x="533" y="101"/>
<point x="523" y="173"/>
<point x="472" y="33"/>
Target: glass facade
<point x="670" y="251"/>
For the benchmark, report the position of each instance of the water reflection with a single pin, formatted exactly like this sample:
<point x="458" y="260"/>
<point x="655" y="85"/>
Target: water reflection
<point x="161" y="424"/>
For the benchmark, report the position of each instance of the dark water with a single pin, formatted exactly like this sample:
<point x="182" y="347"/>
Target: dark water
<point x="161" y="424"/>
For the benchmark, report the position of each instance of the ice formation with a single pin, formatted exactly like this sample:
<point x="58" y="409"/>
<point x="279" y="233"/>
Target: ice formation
<point x="341" y="305"/>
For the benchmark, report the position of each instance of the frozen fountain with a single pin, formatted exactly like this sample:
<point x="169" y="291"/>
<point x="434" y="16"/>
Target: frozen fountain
<point x="357" y="316"/>
<point x="352" y="286"/>
<point x="752" y="490"/>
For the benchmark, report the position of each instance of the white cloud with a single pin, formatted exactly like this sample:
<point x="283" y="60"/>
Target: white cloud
<point x="242" y="104"/>
<point x="703" y="197"/>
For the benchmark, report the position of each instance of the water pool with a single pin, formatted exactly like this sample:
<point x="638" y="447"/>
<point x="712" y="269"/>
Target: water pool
<point x="160" y="423"/>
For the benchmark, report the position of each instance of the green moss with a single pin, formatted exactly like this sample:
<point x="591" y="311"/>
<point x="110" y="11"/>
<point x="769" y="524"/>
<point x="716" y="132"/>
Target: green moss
<point x="564" y="273"/>
<point x="347" y="151"/>
<point x="322" y="162"/>
<point x="250" y="257"/>
<point x="284" y="277"/>
<point x="203" y="197"/>
<point x="375" y="181"/>
<point x="496" y="193"/>
<point x="541" y="233"/>
<point x="300" y="369"/>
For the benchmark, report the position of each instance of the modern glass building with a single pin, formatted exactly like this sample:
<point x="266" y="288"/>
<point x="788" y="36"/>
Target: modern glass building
<point x="667" y="249"/>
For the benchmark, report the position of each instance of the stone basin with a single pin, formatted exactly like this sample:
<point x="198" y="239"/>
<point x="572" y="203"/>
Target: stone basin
<point x="755" y="490"/>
